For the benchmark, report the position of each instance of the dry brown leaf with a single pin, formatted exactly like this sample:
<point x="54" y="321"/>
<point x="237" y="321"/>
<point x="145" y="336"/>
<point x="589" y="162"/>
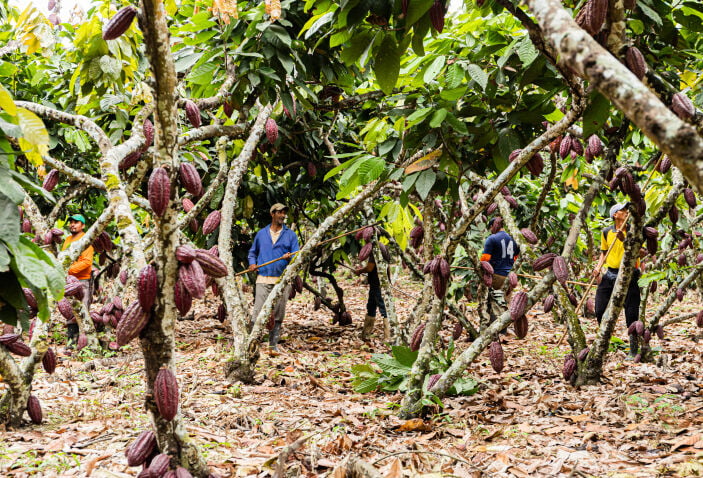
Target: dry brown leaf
<point x="415" y="425"/>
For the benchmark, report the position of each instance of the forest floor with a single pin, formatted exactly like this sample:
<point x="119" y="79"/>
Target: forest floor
<point x="644" y="420"/>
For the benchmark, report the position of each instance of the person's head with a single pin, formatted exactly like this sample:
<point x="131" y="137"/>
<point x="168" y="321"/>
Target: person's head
<point x="278" y="213"/>
<point x="618" y="212"/>
<point x="76" y="223"/>
<point x="492" y="221"/>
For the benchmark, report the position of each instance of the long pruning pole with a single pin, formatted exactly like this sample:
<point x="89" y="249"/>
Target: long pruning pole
<point x="258" y="266"/>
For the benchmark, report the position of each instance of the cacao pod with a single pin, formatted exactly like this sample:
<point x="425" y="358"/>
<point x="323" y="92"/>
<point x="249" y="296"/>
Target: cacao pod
<point x="193" y="278"/>
<point x="591" y="307"/>
<point x="433" y="380"/>
<point x="182" y="473"/>
<point x="119" y="23"/>
<point x="487" y="279"/>
<point x="660" y="332"/>
<point x="130" y="160"/>
<point x="595" y="145"/>
<point x="569" y="366"/>
<point x="210" y="263"/>
<point x="26" y="226"/>
<point x="311" y="169"/>
<point x="365" y="251"/>
<point x="596" y="15"/>
<point x="535" y="166"/>
<point x="193" y="113"/>
<point x="148" y="285"/>
<point x="367" y="233"/>
<point x="543" y="261"/>
<point x="65" y="309"/>
<point x="491" y="208"/>
<point x="74" y="289"/>
<point x="141" y="448"/>
<point x="385" y="253"/>
<point x="317" y="303"/>
<point x="437" y="15"/>
<point x="166" y="394"/>
<point x="212" y="221"/>
<point x="529" y="236"/>
<point x="271" y="130"/>
<point x="182" y="298"/>
<point x="565" y="147"/>
<point x="512" y="157"/>
<point x="49" y="361"/>
<point x="512" y="201"/>
<point x="30" y="298"/>
<point x="34" y="410"/>
<point x="442" y="267"/>
<point x="221" y="312"/>
<point x="699" y="319"/>
<point x="159" y="191"/>
<point x="187" y="204"/>
<point x="572" y="298"/>
<point x="521" y="327"/>
<point x="185" y="254"/>
<point x="652" y="246"/>
<point x="416" y="339"/>
<point x="193" y="225"/>
<point x="159" y="465"/>
<point x="634" y="60"/>
<point x="647" y="336"/>
<point x="583" y="354"/>
<point x="51" y="180"/>
<point x="561" y="270"/>
<point x="190" y="179"/>
<point x="82" y="342"/>
<point x="651" y="232"/>
<point x="639" y="327"/>
<point x="682" y="106"/>
<point x="690" y="197"/>
<point x="682" y="260"/>
<point x="512" y="280"/>
<point x="19" y="348"/>
<point x="653" y="287"/>
<point x="133" y="321"/>
<point x="440" y="285"/>
<point x="9" y="338"/>
<point x="416" y="235"/>
<point x="298" y="284"/>
<point x="664" y="164"/>
<point x="518" y="305"/>
<point x="699" y="258"/>
<point x="680" y="294"/>
<point x="458" y="329"/>
<point x="148" y="129"/>
<point x="228" y="108"/>
<point x="487" y="267"/>
<point x="495" y="354"/>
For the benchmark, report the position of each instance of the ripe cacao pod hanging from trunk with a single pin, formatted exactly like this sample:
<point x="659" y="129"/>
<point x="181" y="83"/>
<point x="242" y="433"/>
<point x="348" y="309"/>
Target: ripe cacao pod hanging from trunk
<point x="166" y="394"/>
<point x="159" y="191"/>
<point x="495" y="354"/>
<point x="141" y="448"/>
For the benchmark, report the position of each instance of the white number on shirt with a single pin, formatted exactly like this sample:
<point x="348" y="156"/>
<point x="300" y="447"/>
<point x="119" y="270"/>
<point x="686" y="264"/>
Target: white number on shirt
<point x="509" y="251"/>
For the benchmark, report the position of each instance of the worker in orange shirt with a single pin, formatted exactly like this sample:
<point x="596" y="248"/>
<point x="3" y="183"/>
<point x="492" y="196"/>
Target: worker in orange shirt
<point x="81" y="269"/>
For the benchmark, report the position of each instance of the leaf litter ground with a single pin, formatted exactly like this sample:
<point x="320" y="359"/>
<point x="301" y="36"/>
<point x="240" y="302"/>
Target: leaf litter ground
<point x="644" y="420"/>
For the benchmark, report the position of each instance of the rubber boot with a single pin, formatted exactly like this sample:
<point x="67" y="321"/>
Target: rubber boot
<point x="367" y="329"/>
<point x="634" y="343"/>
<point x="275" y="336"/>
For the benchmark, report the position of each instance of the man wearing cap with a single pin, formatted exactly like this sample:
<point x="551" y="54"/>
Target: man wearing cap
<point x="501" y="251"/>
<point x="274" y="241"/>
<point x="614" y="235"/>
<point x="81" y="269"/>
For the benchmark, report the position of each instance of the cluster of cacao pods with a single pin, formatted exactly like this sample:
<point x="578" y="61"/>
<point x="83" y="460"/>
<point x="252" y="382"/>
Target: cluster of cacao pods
<point x="535" y="165"/>
<point x="296" y="288"/>
<point x="53" y="235"/>
<point x="626" y="182"/>
<point x="365" y="233"/>
<point x="342" y="318"/>
<point x="439" y="268"/>
<point x="195" y="265"/>
<point x="74" y="288"/>
<point x="544" y="261"/>
<point x="594" y="148"/>
<point x="13" y="343"/>
<point x="109" y="314"/>
<point x="103" y="243"/>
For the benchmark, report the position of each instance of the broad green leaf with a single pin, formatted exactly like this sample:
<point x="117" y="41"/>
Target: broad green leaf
<point x="527" y="52"/>
<point x="417" y="9"/>
<point x="367" y="386"/>
<point x="438" y="118"/>
<point x="6" y="101"/>
<point x="654" y="16"/>
<point x="390" y="365"/>
<point x="386" y="64"/>
<point x="4" y="258"/>
<point x="424" y="183"/>
<point x="9" y="221"/>
<point x="33" y="129"/>
<point x="111" y="66"/>
<point x="596" y="114"/>
<point x="185" y="62"/>
<point x="454" y="77"/>
<point x="404" y="355"/>
<point x="434" y="68"/>
<point x="478" y="75"/>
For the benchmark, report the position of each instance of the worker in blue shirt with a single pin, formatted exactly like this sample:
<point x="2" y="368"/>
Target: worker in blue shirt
<point x="274" y="241"/>
<point x="500" y="250"/>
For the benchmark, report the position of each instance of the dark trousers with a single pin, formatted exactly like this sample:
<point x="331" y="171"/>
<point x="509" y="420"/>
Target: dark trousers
<point x="374" y="302"/>
<point x="632" y="299"/>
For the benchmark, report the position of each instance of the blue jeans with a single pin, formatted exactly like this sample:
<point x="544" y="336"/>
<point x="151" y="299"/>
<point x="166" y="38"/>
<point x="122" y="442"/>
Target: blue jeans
<point x="375" y="302"/>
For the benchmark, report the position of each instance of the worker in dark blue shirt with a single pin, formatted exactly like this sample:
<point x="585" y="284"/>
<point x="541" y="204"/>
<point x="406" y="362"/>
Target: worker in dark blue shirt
<point x="274" y="241"/>
<point x="500" y="250"/>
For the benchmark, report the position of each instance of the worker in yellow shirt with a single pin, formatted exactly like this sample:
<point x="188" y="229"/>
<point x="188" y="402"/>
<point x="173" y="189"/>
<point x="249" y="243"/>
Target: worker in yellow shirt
<point x="81" y="269"/>
<point x="615" y="234"/>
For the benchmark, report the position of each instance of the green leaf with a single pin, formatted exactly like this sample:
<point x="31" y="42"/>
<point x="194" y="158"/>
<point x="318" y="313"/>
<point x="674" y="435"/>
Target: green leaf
<point x="527" y="52"/>
<point x="9" y="187"/>
<point x="386" y="65"/>
<point x="4" y="258"/>
<point x="478" y="75"/>
<point x="359" y="44"/>
<point x="6" y="101"/>
<point x="454" y="77"/>
<point x="367" y="386"/>
<point x="417" y="9"/>
<point x="9" y="221"/>
<point x="438" y="118"/>
<point x="111" y="66"/>
<point x="596" y="114"/>
<point x="185" y="62"/>
<point x="458" y="125"/>
<point x="33" y="129"/>
<point x="424" y="183"/>
<point x="654" y="16"/>
<point x="363" y="370"/>
<point x="390" y="365"/>
<point x="404" y="355"/>
<point x="434" y="68"/>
